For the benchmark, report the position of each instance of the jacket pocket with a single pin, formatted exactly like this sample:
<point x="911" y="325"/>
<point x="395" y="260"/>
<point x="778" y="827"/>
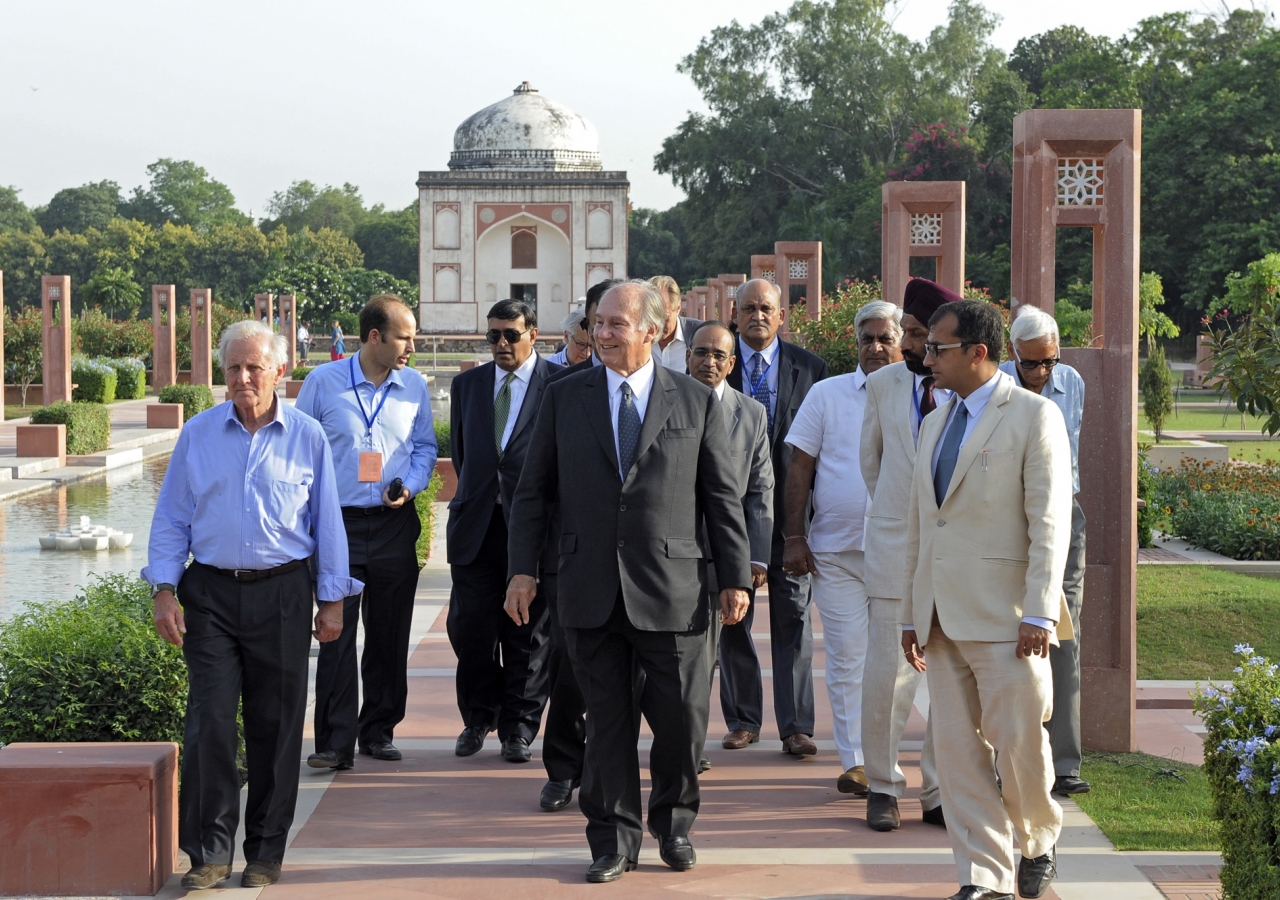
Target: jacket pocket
<point x="680" y="432"/>
<point x="1006" y="561"/>
<point x="568" y="543"/>
<point x="683" y="548"/>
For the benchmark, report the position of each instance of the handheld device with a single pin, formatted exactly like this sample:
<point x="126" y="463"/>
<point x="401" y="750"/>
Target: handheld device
<point x="395" y="489"/>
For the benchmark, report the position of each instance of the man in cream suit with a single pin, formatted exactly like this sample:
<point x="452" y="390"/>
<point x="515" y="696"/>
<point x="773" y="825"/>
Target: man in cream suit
<point x="898" y="399"/>
<point x="988" y="531"/>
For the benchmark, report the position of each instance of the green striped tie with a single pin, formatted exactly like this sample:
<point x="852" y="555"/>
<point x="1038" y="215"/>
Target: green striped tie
<point x="501" y="410"/>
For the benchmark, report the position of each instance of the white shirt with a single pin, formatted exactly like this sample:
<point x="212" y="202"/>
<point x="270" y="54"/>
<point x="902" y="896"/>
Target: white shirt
<point x="747" y="356"/>
<point x="641" y="382"/>
<point x="303" y="334"/>
<point x="830" y="413"/>
<point x="940" y="396"/>
<point x="673" y="355"/>
<point x="519" y="387"/>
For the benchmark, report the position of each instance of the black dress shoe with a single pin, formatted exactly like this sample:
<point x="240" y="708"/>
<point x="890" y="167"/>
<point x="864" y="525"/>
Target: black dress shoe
<point x="882" y="812"/>
<point x="1070" y="784"/>
<point x="1035" y="874"/>
<point x="609" y="867"/>
<point x="557" y="794"/>
<point x="678" y="853"/>
<point x="202" y="878"/>
<point x="703" y="765"/>
<point x="973" y="892"/>
<point x="260" y="874"/>
<point x="384" y="750"/>
<point x="934" y="816"/>
<point x="516" y="749"/>
<point x="329" y="759"/>
<point x="471" y="740"/>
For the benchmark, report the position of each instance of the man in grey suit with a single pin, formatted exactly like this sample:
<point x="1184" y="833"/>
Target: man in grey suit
<point x="636" y="458"/>
<point x="711" y="358"/>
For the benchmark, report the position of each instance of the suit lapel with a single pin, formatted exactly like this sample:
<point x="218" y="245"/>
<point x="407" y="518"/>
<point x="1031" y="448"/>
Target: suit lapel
<point x="532" y="395"/>
<point x="902" y="421"/>
<point x="991" y="417"/>
<point x="786" y="386"/>
<point x="661" y="402"/>
<point x="595" y="397"/>
<point x="484" y="400"/>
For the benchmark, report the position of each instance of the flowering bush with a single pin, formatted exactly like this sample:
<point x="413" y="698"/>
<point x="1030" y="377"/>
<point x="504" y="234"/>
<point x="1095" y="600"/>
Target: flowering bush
<point x="1242" y="761"/>
<point x="1229" y="508"/>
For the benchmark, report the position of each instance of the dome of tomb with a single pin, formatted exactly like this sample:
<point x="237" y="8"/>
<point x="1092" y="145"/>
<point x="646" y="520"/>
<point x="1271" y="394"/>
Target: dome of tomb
<point x="526" y="131"/>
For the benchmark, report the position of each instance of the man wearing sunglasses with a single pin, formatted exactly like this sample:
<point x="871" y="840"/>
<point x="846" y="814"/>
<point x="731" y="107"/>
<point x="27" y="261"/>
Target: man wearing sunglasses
<point x="502" y="667"/>
<point x="1035" y="364"/>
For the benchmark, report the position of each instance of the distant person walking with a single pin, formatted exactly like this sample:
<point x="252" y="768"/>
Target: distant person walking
<point x="337" y="347"/>
<point x="304" y="342"/>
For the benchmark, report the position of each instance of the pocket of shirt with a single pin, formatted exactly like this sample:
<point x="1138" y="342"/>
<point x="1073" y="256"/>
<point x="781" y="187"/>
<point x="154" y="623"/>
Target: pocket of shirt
<point x="289" y="503"/>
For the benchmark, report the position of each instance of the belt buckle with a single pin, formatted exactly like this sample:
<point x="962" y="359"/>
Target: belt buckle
<point x="236" y="573"/>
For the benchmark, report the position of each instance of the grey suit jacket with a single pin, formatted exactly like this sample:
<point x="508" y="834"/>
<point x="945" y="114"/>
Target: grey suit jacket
<point x="748" y="428"/>
<point x="638" y="536"/>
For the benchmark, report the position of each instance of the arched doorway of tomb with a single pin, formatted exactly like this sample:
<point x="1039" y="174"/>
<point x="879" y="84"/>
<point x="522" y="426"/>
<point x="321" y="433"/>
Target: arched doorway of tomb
<point x="525" y="258"/>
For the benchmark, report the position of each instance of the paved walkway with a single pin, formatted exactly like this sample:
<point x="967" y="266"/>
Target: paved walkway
<point x="435" y="826"/>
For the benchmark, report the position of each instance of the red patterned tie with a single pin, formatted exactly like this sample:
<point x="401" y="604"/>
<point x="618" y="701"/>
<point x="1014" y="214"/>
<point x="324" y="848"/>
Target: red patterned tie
<point x="927" y="405"/>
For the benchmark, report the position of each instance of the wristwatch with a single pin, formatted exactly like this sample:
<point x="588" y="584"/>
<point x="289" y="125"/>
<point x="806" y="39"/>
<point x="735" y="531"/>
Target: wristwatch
<point x="163" y="586"/>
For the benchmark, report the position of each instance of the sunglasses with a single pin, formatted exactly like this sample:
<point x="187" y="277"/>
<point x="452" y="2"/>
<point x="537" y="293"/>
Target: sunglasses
<point x="1030" y="365"/>
<point x="718" y="355"/>
<point x="509" y="334"/>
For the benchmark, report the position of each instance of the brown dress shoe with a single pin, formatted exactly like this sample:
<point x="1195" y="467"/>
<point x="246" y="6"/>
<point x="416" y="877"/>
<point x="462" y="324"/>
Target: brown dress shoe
<point x="799" y="745"/>
<point x="201" y="878"/>
<point x="260" y="873"/>
<point x="853" y="782"/>
<point x="882" y="812"/>
<point x="739" y="739"/>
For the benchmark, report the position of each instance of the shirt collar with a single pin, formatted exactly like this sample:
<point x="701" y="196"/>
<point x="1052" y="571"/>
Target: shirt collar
<point x="524" y="372"/>
<point x="859" y="377"/>
<point x="976" y="402"/>
<point x="393" y="376"/>
<point x="639" y="380"/>
<point x="280" y="416"/>
<point x="719" y="390"/>
<point x="769" y="353"/>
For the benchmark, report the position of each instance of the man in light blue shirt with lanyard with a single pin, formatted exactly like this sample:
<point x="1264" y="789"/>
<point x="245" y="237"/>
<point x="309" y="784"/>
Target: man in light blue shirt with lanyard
<point x="376" y="412"/>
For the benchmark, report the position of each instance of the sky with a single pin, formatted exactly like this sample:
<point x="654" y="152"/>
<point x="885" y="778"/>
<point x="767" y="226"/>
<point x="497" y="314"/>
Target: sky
<point x="264" y="93"/>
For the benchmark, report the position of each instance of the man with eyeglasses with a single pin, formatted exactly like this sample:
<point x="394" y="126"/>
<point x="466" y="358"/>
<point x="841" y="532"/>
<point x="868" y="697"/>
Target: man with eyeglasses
<point x="825" y="461"/>
<point x="777" y="374"/>
<point x="577" y="341"/>
<point x="502" y="667"/>
<point x="1035" y="364"/>
<point x="988" y="532"/>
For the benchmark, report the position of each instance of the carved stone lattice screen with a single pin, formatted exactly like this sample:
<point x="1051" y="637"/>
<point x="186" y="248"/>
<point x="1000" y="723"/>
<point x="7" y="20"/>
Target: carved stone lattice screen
<point x="762" y="266"/>
<point x="729" y="285"/>
<point x="926" y="219"/>
<point x="289" y="328"/>
<point x="800" y="262"/>
<point x="164" y="356"/>
<point x="1082" y="169"/>
<point x="55" y="294"/>
<point x="201" y="337"/>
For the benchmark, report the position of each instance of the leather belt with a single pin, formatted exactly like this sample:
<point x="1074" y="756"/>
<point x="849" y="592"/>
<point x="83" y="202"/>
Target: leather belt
<point x="365" y="510"/>
<point x="249" y="575"/>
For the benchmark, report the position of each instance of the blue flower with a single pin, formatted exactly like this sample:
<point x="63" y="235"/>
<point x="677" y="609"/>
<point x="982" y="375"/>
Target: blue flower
<point x="1275" y="785"/>
<point x="1256" y="660"/>
<point x="1270" y="730"/>
<point x="1275" y="701"/>
<point x="1245" y="649"/>
<point x="1238" y="670"/>
<point x="1239" y="710"/>
<point x="1244" y="775"/>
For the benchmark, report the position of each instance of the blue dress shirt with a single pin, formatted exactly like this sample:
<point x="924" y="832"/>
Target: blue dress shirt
<point x="402" y="432"/>
<point x="239" y="501"/>
<point x="1066" y="390"/>
<point x="746" y="361"/>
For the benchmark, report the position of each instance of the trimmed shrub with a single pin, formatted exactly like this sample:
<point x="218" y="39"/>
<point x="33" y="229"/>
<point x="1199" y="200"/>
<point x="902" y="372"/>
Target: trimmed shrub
<point x="443" y="432"/>
<point x="424" y="504"/>
<point x="301" y="372"/>
<point x="131" y="377"/>
<point x="98" y="335"/>
<point x="1242" y="762"/>
<point x="88" y="424"/>
<point x="95" y="381"/>
<point x="1156" y="386"/>
<point x="195" y="398"/>
<point x="91" y="669"/>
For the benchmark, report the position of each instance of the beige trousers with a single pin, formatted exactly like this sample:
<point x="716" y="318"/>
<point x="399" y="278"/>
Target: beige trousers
<point x="888" y="691"/>
<point x="987" y="703"/>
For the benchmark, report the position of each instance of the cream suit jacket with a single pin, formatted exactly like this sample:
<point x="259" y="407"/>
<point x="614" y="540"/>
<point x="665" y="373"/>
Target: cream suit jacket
<point x="997" y="548"/>
<point x="887" y="456"/>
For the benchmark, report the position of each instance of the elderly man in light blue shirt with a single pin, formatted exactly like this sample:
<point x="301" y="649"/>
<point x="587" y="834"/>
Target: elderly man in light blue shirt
<point x="250" y="494"/>
<point x="1033" y="338"/>
<point x="375" y="410"/>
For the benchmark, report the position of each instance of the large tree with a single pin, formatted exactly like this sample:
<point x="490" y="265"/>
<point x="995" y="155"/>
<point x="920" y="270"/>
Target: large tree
<point x="389" y="241"/>
<point x="303" y="205"/>
<point x="80" y="208"/>
<point x="182" y="193"/>
<point x="14" y="215"/>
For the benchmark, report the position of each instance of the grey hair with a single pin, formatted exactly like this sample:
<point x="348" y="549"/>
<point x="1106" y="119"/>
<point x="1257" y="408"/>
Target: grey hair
<point x="653" y="306"/>
<point x="1032" y="324"/>
<point x="768" y="285"/>
<point x="877" y="311"/>
<point x="573" y="320"/>
<point x="250" y="330"/>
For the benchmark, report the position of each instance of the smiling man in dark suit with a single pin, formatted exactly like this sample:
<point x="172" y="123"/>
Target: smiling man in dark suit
<point x="778" y="374"/>
<point x="492" y="410"/>
<point x="635" y="457"/>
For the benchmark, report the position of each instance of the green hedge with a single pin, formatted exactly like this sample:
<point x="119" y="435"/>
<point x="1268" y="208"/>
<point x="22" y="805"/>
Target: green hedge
<point x="94" y="380"/>
<point x="88" y="425"/>
<point x="1148" y="515"/>
<point x="301" y="372"/>
<point x="427" y="516"/>
<point x="195" y="398"/>
<point x="91" y="669"/>
<point x="443" y="432"/>
<point x="131" y="377"/>
<point x="1242" y="761"/>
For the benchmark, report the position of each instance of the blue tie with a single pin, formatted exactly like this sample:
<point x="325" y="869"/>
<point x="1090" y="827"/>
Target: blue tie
<point x="758" y="386"/>
<point x="628" y="432"/>
<point x="950" y="453"/>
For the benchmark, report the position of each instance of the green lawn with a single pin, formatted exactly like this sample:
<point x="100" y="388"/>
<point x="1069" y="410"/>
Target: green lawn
<point x="17" y="412"/>
<point x="1255" y="451"/>
<point x="1203" y="420"/>
<point x="1140" y="806"/>
<point x="1191" y="617"/>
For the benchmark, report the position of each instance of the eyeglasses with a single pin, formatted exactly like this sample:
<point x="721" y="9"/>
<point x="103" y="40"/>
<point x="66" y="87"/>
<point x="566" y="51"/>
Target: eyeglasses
<point x="581" y="345"/>
<point x="718" y="355"/>
<point x="509" y="334"/>
<point x="932" y="349"/>
<point x="1030" y="365"/>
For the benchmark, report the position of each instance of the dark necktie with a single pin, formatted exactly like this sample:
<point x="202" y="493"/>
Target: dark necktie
<point x="628" y="432"/>
<point x="950" y="453"/>
<point x="501" y="411"/>
<point x="759" y="387"/>
<point x="927" y="403"/>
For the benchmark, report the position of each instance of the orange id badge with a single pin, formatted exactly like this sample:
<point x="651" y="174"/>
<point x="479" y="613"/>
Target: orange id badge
<point x="370" y="466"/>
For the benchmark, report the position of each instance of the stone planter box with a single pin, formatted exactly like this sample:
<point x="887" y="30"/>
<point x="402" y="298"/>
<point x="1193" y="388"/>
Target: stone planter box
<point x="43" y="441"/>
<point x="444" y="468"/>
<point x="1163" y="456"/>
<point x="164" y="415"/>
<point x="292" y="389"/>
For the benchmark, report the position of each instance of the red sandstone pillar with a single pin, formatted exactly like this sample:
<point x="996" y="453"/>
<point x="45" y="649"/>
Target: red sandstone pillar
<point x="700" y="306"/>
<point x="55" y="293"/>
<point x="800" y="262"/>
<point x="202" y="336"/>
<point x="263" y="310"/>
<point x="729" y="285"/>
<point x="289" y="328"/>
<point x="763" y="266"/>
<point x="164" y="357"/>
<point x="1082" y="169"/>
<point x="921" y="218"/>
<point x="1" y="342"/>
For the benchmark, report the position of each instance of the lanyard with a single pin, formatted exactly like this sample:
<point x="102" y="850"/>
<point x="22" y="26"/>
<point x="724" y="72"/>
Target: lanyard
<point x="764" y="378"/>
<point x="368" y="420"/>
<point x="915" y="401"/>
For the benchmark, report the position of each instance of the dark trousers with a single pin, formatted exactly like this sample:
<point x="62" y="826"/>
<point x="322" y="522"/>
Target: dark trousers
<point x="383" y="552"/>
<point x="502" y="667"/>
<point x="674" y="699"/>
<point x="741" y="687"/>
<point x="246" y="646"/>
<point x="564" y="734"/>
<point x="1064" y="661"/>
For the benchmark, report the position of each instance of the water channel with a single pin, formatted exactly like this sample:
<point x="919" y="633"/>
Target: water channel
<point x="124" y="499"/>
